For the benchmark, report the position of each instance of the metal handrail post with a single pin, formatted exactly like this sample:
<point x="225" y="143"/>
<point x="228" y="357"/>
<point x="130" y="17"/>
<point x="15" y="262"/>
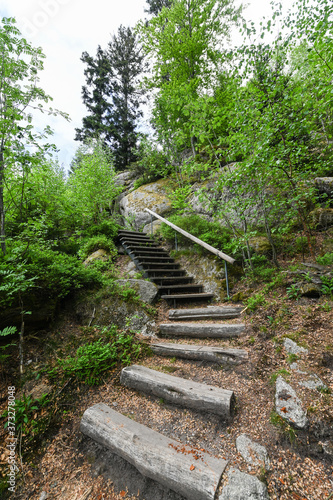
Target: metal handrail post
<point x="176" y="242"/>
<point x="151" y="224"/>
<point x="226" y="277"/>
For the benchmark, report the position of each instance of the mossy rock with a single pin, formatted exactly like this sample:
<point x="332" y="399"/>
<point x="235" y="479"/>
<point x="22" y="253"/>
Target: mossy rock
<point x="153" y="196"/>
<point x="241" y="296"/>
<point x="98" y="255"/>
<point x="322" y="218"/>
<point x="260" y="245"/>
<point x="310" y="290"/>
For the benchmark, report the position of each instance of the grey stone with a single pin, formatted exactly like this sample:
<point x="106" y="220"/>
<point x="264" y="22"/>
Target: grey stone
<point x="313" y="382"/>
<point x="294" y="366"/>
<point x="123" y="178"/>
<point x="156" y="227"/>
<point x="43" y="495"/>
<point x="322" y="217"/>
<point x="152" y="196"/>
<point x="292" y="348"/>
<point x="324" y="185"/>
<point x="253" y="453"/>
<point x="242" y="486"/>
<point x="98" y="255"/>
<point x="288" y="405"/>
<point x="146" y="290"/>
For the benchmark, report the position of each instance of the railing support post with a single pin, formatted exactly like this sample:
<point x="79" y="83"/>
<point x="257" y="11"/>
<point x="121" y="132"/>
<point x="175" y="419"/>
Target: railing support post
<point x="226" y="277"/>
<point x="176" y="242"/>
<point x="151" y="224"/>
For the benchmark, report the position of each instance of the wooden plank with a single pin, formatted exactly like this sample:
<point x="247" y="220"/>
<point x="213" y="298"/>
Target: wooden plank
<point x="206" y="353"/>
<point x="194" y="238"/>
<point x="182" y="392"/>
<point x="213" y="312"/>
<point x="201" y="330"/>
<point x="170" y="463"/>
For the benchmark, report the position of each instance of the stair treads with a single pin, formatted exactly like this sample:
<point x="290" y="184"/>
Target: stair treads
<point x="186" y="393"/>
<point x="190" y="472"/>
<point x="186" y="296"/>
<point x="213" y="312"/>
<point x="201" y="330"/>
<point x="198" y="352"/>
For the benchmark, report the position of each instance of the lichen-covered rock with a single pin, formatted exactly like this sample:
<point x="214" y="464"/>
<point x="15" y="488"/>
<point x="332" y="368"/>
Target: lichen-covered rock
<point x="124" y="178"/>
<point x="292" y="348"/>
<point x="207" y="270"/>
<point x="324" y="185"/>
<point x="146" y="290"/>
<point x="288" y="405"/>
<point x="252" y="452"/>
<point x="156" y="227"/>
<point x="114" y="310"/>
<point x="310" y="290"/>
<point x="260" y="245"/>
<point x="98" y="255"/>
<point x="242" y="486"/>
<point x="241" y="296"/>
<point x="313" y="382"/>
<point x="322" y="217"/>
<point x="153" y="196"/>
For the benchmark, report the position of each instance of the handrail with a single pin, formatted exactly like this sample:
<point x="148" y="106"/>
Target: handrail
<point x="211" y="249"/>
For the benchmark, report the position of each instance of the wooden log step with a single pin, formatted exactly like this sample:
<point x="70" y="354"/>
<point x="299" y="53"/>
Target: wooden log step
<point x="127" y="231"/>
<point x="170" y="280"/>
<point x="211" y="312"/>
<point x="137" y="237"/>
<point x="179" y="288"/>
<point x="157" y="265"/>
<point x="140" y="248"/>
<point x="199" y="296"/>
<point x="148" y="258"/>
<point x="147" y="251"/>
<point x="186" y="393"/>
<point x="201" y="330"/>
<point x="192" y="473"/>
<point x="176" y="272"/>
<point x="139" y="244"/>
<point x="200" y="352"/>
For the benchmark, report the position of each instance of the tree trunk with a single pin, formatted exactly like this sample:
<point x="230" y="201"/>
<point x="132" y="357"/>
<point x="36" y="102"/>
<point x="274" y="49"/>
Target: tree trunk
<point x="2" y="207"/>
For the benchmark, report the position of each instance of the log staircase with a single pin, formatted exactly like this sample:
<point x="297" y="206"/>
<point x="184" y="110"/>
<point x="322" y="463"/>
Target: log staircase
<point x="155" y="263"/>
<point x="150" y="452"/>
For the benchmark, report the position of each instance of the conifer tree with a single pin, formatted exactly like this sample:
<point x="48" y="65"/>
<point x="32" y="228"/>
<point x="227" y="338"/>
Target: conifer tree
<point x="113" y="96"/>
<point x="155" y="6"/>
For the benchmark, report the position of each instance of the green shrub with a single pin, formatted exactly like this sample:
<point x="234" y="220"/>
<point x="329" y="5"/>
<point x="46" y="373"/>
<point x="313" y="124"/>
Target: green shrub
<point x="326" y="260"/>
<point x="97" y="242"/>
<point x="210" y="232"/>
<point x="108" y="227"/>
<point x="92" y="360"/>
<point x="152" y="163"/>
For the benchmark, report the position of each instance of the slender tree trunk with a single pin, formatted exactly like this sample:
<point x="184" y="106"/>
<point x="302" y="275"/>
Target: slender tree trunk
<point x="2" y="207"/>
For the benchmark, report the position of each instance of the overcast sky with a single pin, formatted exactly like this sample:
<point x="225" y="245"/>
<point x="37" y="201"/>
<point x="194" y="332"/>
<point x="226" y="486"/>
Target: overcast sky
<point x="66" y="28"/>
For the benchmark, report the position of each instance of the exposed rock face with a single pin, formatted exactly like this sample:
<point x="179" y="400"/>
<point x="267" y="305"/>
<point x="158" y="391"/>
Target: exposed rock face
<point x="156" y="227"/>
<point x="288" y="405"/>
<point x="324" y="185"/>
<point x="206" y="270"/>
<point x="242" y="486"/>
<point x="322" y="217"/>
<point x="114" y="311"/>
<point x="146" y="290"/>
<point x="98" y="255"/>
<point x="153" y="196"/>
<point x="253" y="453"/>
<point x="124" y="178"/>
<point x="260" y="245"/>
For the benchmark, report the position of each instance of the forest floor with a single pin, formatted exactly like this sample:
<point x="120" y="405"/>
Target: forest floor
<point x="61" y="463"/>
